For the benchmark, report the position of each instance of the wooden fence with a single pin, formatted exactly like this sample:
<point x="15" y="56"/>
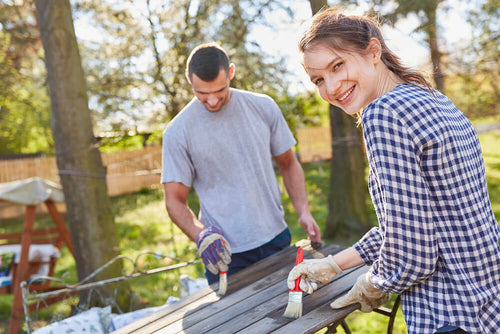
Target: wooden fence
<point x="130" y="171"/>
<point x="127" y="172"/>
<point x="314" y="144"/>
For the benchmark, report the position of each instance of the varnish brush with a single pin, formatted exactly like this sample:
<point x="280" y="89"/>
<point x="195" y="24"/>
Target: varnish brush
<point x="294" y="307"/>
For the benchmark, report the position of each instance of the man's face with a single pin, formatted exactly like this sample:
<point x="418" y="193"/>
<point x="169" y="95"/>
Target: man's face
<point x="213" y="94"/>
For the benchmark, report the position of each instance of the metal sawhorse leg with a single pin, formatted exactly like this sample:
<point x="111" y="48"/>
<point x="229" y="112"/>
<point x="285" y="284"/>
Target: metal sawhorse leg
<point x="391" y="313"/>
<point x="332" y="329"/>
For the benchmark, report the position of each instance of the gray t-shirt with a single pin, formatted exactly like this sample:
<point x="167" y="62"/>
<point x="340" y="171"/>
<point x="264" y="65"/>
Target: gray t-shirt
<point x="226" y="157"/>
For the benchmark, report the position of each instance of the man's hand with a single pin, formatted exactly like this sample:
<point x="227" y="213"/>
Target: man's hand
<point x="364" y="293"/>
<point x="313" y="272"/>
<point x="214" y="249"/>
<point x="309" y="225"/>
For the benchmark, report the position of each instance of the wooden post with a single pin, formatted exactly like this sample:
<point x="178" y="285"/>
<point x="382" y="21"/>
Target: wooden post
<point x="16" y="313"/>
<point x="61" y="226"/>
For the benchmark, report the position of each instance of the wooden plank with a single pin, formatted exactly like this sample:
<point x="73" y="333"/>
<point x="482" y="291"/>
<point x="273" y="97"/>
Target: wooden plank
<point x="177" y="310"/>
<point x="60" y="225"/>
<point x="241" y="302"/>
<point x="245" y="299"/>
<point x="317" y="319"/>
<point x="21" y="273"/>
<point x="253" y="315"/>
<point x="323" y="296"/>
<point x="10" y="238"/>
<point x="172" y="315"/>
<point x="285" y="258"/>
<point x="265" y="268"/>
<point x="244" y="315"/>
<point x="185" y="302"/>
<point x="234" y="282"/>
<point x="42" y="235"/>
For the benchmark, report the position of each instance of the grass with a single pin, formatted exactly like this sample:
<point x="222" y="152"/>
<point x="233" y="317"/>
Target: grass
<point x="142" y="223"/>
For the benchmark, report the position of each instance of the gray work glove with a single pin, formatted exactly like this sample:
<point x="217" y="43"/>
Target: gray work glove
<point x="364" y="293"/>
<point x="313" y="271"/>
<point x="214" y="250"/>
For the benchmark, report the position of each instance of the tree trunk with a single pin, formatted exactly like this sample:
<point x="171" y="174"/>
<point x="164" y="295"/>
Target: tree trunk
<point x="82" y="173"/>
<point x="432" y="39"/>
<point x="347" y="200"/>
<point x="316" y="5"/>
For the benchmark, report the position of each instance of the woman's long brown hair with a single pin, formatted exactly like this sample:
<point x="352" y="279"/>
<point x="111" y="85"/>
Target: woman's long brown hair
<point x="332" y="28"/>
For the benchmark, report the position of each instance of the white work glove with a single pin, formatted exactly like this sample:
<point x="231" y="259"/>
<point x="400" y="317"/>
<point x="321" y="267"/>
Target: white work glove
<point x="313" y="271"/>
<point x="364" y="293"/>
<point x="214" y="250"/>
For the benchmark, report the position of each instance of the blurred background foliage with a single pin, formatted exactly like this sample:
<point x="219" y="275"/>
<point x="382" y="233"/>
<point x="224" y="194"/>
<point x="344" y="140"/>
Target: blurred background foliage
<point x="134" y="55"/>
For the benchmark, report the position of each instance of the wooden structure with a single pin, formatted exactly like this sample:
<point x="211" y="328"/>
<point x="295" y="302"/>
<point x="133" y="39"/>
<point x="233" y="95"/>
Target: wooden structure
<point x="58" y="236"/>
<point x="256" y="300"/>
<point x="126" y="171"/>
<point x="314" y="144"/>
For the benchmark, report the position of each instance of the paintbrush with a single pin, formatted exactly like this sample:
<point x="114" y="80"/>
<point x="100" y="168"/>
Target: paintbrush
<point x="294" y="307"/>
<point x="223" y="275"/>
<point x="222" y="283"/>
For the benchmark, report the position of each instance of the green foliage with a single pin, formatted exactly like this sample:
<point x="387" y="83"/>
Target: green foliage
<point x="304" y="109"/>
<point x="474" y="94"/>
<point x="474" y="84"/>
<point x="135" y="69"/>
<point x="489" y="145"/>
<point x="121" y="143"/>
<point x="134" y="58"/>
<point x="24" y="104"/>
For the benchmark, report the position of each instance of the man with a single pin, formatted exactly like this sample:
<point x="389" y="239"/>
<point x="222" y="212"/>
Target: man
<point x="221" y="143"/>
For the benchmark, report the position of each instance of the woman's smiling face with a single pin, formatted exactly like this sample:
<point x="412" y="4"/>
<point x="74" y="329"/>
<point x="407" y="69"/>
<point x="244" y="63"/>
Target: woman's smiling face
<point x="345" y="79"/>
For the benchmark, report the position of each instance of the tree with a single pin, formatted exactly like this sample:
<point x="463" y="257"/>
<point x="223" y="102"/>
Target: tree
<point x="474" y="84"/>
<point x="91" y="222"/>
<point x="347" y="200"/>
<point x="141" y="81"/>
<point x="134" y="60"/>
<point x="426" y="11"/>
<point x="24" y="105"/>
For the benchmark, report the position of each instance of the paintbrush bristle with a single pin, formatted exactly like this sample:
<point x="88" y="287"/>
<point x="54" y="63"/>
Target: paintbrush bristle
<point x="294" y="307"/>
<point x="222" y="283"/>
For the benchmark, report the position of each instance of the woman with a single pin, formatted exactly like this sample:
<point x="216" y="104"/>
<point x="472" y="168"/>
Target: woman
<point x="437" y="240"/>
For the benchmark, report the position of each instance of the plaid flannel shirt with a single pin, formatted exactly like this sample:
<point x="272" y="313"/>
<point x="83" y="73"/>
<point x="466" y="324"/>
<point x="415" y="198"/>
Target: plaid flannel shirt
<point x="437" y="240"/>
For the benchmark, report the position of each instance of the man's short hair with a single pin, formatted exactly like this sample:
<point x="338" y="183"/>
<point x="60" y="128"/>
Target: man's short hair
<point x="206" y="60"/>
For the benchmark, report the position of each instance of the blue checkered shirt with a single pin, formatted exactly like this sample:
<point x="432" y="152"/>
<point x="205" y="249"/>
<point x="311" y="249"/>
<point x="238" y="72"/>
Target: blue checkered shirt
<point x="437" y="240"/>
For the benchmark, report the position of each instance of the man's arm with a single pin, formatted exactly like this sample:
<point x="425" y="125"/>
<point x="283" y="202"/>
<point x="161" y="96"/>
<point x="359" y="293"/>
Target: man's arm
<point x="293" y="177"/>
<point x="176" y="203"/>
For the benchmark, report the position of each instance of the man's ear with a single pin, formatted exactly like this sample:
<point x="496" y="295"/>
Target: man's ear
<point x="187" y="76"/>
<point x="374" y="49"/>
<point x="231" y="71"/>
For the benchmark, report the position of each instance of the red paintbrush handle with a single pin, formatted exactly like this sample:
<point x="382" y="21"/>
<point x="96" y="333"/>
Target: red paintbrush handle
<point x="298" y="259"/>
<point x="300" y="256"/>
